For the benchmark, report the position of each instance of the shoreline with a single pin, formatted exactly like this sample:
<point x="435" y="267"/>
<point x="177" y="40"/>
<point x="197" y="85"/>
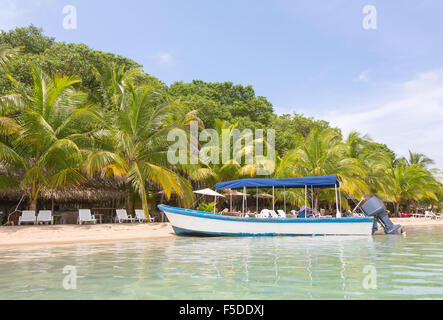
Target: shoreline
<point x="33" y="235"/>
<point x="22" y="236"/>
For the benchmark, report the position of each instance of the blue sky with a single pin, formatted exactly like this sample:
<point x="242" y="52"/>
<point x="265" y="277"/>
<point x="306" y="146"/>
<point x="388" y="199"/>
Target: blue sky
<point x="312" y="57"/>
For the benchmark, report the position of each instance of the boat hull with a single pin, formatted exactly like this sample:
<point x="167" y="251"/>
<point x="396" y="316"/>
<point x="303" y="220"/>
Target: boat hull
<point x="187" y="222"/>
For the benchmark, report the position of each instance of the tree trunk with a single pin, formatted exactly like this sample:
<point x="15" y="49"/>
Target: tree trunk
<point x="128" y="199"/>
<point x="144" y="199"/>
<point x="33" y="204"/>
<point x="397" y="209"/>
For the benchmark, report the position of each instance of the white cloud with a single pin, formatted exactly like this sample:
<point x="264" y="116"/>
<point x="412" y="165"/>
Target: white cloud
<point x="165" y="58"/>
<point x="413" y="121"/>
<point x="14" y="13"/>
<point x="10" y="13"/>
<point x="162" y="58"/>
<point x="362" y="77"/>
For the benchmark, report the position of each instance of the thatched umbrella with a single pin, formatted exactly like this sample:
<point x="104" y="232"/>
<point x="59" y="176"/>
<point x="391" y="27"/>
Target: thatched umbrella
<point x="261" y="196"/>
<point x="234" y="193"/>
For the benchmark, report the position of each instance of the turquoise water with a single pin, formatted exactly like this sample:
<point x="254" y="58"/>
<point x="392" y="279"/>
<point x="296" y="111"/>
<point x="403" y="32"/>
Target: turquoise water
<point x="380" y="267"/>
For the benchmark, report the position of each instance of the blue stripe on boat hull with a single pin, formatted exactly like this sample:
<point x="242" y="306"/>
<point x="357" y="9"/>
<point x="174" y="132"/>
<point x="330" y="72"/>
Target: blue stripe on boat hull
<point x="207" y="215"/>
<point x="193" y="233"/>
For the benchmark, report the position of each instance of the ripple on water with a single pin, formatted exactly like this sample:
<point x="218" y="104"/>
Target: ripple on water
<point x="232" y="268"/>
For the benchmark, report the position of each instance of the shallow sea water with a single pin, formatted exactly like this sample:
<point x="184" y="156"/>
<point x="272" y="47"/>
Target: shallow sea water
<point x="379" y="267"/>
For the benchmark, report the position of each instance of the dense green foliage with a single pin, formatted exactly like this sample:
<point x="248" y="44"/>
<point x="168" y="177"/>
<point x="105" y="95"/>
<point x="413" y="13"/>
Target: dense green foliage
<point x="69" y="113"/>
<point x="56" y="58"/>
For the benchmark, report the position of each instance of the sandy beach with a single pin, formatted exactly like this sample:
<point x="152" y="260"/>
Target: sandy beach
<point x="69" y="234"/>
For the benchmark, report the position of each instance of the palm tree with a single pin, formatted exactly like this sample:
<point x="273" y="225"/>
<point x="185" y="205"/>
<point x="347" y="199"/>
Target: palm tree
<point x="6" y="54"/>
<point x="409" y="183"/>
<point x="323" y="153"/>
<point x="236" y="166"/>
<point x="373" y="156"/>
<point x="419" y="159"/>
<point x="133" y="145"/>
<point x="403" y="182"/>
<point x="45" y="144"/>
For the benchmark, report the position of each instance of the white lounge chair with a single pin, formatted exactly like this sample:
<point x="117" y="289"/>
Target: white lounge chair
<point x="122" y="216"/>
<point x="140" y="216"/>
<point x="264" y="214"/>
<point x="432" y="215"/>
<point x="27" y="217"/>
<point x="281" y="213"/>
<point x="84" y="215"/>
<point x="45" y="216"/>
<point x="273" y="214"/>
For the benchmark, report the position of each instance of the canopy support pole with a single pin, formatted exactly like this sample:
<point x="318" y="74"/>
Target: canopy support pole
<point x="284" y="195"/>
<point x="338" y="215"/>
<point x="215" y="203"/>
<point x="246" y="198"/>
<point x="312" y="199"/>
<point x="306" y="201"/>
<point x="256" y="201"/>
<point x="339" y="193"/>
<point x="273" y="198"/>
<point x="230" y="202"/>
<point x="244" y="191"/>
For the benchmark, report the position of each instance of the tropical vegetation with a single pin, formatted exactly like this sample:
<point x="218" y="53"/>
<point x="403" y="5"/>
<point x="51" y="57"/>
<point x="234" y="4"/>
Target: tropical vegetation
<point x="71" y="115"/>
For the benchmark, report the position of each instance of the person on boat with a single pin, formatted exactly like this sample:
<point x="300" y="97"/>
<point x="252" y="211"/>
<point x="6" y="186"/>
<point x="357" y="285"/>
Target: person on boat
<point x="225" y="205"/>
<point x="304" y="212"/>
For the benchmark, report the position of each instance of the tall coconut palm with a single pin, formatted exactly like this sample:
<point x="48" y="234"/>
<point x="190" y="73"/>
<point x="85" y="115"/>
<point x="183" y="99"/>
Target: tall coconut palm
<point x="323" y="153"/>
<point x="373" y="156"/>
<point x="45" y="150"/>
<point x="214" y="168"/>
<point x="133" y="144"/>
<point x="403" y="182"/>
<point x="419" y="159"/>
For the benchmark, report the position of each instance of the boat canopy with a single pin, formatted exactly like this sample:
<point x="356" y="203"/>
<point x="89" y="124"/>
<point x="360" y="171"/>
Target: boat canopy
<point x="314" y="182"/>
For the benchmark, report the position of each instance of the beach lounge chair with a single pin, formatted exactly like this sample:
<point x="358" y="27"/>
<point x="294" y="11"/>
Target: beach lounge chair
<point x="84" y="215"/>
<point x="273" y="214"/>
<point x="418" y="215"/>
<point x="281" y="213"/>
<point x="45" y="216"/>
<point x="140" y="216"/>
<point x="432" y="215"/>
<point x="27" y="217"/>
<point x="264" y="214"/>
<point x="141" y="212"/>
<point x="122" y="216"/>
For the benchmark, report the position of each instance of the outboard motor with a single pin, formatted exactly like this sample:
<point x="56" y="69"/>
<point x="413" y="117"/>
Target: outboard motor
<point x="375" y="208"/>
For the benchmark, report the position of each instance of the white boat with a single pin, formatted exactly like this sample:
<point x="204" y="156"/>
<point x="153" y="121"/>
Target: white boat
<point x="187" y="222"/>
